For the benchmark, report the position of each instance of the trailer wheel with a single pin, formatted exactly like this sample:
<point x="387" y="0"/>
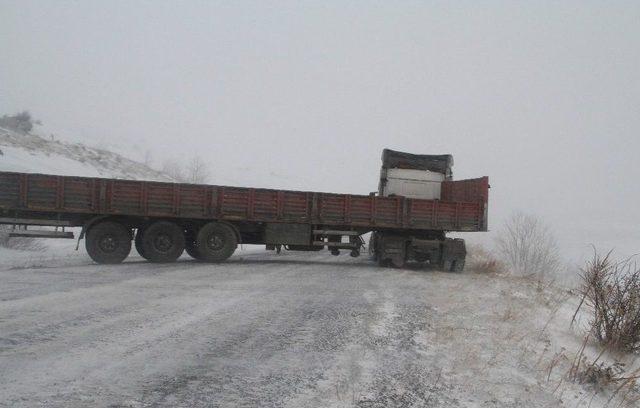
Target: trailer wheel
<point x="108" y="242"/>
<point x="373" y="251"/>
<point x="190" y="245"/>
<point x="192" y="249"/>
<point x="216" y="242"/>
<point x="138" y="243"/>
<point x="162" y="241"/>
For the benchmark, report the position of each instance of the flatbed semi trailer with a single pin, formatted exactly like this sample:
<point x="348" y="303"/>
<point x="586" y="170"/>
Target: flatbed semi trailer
<point x="208" y="221"/>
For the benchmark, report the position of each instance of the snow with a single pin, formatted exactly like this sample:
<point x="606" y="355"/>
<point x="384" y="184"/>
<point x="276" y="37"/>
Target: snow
<point x="34" y="154"/>
<point x="25" y="161"/>
<point x="292" y="330"/>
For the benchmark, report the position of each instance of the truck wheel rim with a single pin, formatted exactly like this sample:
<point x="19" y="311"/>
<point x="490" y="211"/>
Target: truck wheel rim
<point x="108" y="243"/>
<point x="163" y="243"/>
<point x="215" y="242"/>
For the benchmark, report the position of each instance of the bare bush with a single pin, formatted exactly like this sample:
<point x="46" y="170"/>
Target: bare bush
<point x="197" y="171"/>
<point x="21" y="122"/>
<point x="24" y="244"/>
<point x="481" y="260"/>
<point x="611" y="292"/>
<point x="173" y="170"/>
<point x="529" y="247"/>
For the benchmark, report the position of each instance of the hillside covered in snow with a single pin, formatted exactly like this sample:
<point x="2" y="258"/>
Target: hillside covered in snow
<point x="31" y="153"/>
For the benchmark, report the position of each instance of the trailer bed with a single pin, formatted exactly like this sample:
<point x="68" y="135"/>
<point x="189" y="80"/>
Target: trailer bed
<point x="462" y="206"/>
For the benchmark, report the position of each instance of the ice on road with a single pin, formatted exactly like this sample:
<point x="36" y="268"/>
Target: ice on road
<point x="262" y="330"/>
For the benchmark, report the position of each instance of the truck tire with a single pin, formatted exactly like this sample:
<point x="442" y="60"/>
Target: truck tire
<point x="373" y="251"/>
<point x="216" y="242"/>
<point x="108" y="242"/>
<point x="162" y="242"/>
<point x="138" y="243"/>
<point x="192" y="249"/>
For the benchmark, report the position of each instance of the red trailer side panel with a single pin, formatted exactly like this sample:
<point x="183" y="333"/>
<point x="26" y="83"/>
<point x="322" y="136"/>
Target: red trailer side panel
<point x="462" y="207"/>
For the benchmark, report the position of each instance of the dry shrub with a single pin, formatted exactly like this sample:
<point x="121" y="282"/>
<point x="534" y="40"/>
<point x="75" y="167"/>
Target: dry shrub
<point x="611" y="292"/>
<point x="528" y="247"/>
<point x="20" y="122"/>
<point x="481" y="260"/>
<point x="611" y="376"/>
<point x="196" y="171"/>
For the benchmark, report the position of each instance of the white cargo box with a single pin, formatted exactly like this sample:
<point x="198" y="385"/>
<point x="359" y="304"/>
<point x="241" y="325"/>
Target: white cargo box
<point x="422" y="184"/>
<point x="417" y="175"/>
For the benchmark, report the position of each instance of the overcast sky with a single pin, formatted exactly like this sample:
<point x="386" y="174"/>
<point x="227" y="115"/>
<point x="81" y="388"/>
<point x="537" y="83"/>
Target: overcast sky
<point x="544" y="98"/>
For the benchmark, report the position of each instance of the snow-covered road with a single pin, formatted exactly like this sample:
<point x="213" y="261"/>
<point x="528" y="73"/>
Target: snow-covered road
<point x="262" y="330"/>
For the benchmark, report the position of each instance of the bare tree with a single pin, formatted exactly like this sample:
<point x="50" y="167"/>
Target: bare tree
<point x="173" y="170"/>
<point x="529" y="247"/>
<point x="197" y="171"/>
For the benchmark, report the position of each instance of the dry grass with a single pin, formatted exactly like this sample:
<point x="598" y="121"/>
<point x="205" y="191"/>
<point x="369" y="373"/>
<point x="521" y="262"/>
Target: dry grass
<point x="611" y="377"/>
<point x="481" y="260"/>
<point x="611" y="292"/>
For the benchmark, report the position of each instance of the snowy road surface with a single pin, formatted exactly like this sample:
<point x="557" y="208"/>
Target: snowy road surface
<point x="262" y="330"/>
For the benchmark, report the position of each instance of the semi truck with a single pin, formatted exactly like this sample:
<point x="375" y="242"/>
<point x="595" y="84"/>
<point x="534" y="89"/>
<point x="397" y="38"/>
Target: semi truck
<point x="417" y="203"/>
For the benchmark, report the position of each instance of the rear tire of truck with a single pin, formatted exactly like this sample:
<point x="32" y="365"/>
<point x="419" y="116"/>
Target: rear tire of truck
<point x="162" y="242"/>
<point x="138" y="243"/>
<point x="191" y="247"/>
<point x="216" y="242"/>
<point x="373" y="251"/>
<point x="108" y="242"/>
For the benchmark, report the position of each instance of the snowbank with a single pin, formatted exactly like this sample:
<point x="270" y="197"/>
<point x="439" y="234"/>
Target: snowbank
<point x="31" y="153"/>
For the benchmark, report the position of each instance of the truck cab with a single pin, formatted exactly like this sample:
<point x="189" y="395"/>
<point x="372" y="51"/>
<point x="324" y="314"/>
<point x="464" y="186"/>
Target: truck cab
<point x="421" y="177"/>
